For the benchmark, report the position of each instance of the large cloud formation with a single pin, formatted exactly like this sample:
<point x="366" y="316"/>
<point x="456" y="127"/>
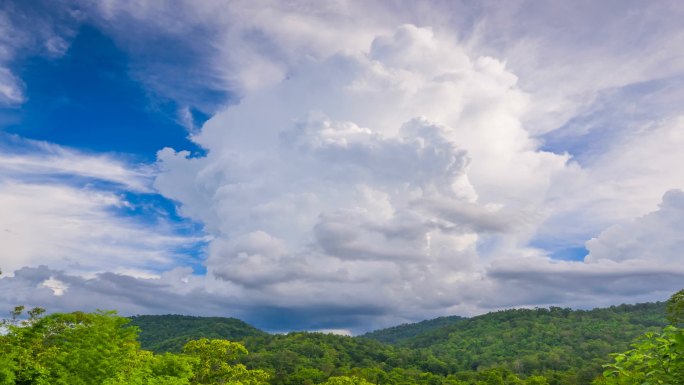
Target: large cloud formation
<point x="426" y="164"/>
<point x="390" y="177"/>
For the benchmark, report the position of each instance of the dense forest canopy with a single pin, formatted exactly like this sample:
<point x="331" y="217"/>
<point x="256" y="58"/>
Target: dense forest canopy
<point x="169" y="333"/>
<point x="398" y="334"/>
<point x="553" y="346"/>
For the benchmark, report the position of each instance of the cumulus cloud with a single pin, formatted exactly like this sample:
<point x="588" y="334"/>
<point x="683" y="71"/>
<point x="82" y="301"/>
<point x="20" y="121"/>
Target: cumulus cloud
<point x="625" y="180"/>
<point x="411" y="160"/>
<point x="566" y="54"/>
<point x="637" y="258"/>
<point x="370" y="171"/>
<point x="653" y="238"/>
<point x="376" y="171"/>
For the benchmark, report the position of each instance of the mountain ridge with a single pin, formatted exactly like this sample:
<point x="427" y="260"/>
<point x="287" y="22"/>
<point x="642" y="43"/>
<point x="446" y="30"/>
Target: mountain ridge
<point x="565" y="345"/>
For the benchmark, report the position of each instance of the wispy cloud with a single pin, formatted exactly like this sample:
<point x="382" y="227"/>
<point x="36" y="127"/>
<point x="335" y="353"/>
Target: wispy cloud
<point x="39" y="160"/>
<point x="68" y="209"/>
<point x="26" y="30"/>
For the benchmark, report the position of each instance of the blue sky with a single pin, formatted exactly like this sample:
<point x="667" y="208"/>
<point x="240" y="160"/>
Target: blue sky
<point x="86" y="99"/>
<point x="311" y="165"/>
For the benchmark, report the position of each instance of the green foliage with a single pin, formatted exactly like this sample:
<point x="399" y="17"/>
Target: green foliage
<point x="330" y="354"/>
<point x="169" y="333"/>
<point x="146" y="368"/>
<point x="344" y="380"/>
<point x="537" y="380"/>
<point x="515" y="347"/>
<point x="76" y="348"/>
<point x="402" y="333"/>
<point x="675" y="308"/>
<point x="102" y="349"/>
<point x="555" y="346"/>
<point x="656" y="358"/>
<point x="540" y="340"/>
<point x="216" y="363"/>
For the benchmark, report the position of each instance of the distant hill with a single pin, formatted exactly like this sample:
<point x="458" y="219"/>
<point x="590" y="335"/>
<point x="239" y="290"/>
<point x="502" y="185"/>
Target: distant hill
<point x="169" y="333"/>
<point x="402" y="333"/>
<point x="566" y="345"/>
<point x="541" y="339"/>
<point x="530" y="340"/>
<point x="287" y="355"/>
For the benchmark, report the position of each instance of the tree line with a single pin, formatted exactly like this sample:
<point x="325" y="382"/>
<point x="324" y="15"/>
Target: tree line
<point x="515" y="347"/>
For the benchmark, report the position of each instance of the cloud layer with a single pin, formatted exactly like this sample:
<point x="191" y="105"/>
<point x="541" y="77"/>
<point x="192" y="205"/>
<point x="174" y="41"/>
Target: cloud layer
<point x="403" y="170"/>
<point x="373" y="171"/>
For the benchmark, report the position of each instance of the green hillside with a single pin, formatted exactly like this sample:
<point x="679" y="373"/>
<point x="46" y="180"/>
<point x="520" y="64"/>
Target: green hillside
<point x="533" y="340"/>
<point x="168" y="333"/>
<point x="295" y="356"/>
<point x="399" y="334"/>
<point x="567" y="346"/>
<point x="513" y="347"/>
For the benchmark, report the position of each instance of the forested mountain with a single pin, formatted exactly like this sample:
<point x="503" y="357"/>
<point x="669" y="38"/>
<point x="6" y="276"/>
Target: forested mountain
<point x="514" y="347"/>
<point x="169" y="333"/>
<point x="566" y="346"/>
<point x="399" y="334"/>
<point x="540" y="340"/>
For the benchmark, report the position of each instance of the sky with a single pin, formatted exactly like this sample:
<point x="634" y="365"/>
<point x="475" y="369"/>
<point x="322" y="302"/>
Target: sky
<point x="340" y="165"/>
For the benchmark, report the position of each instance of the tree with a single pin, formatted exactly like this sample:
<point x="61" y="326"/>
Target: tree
<point x="101" y="349"/>
<point x="656" y="357"/>
<point x="75" y="348"/>
<point x="675" y="308"/>
<point x="216" y="363"/>
<point x="146" y="368"/>
<point x="344" y="380"/>
<point x="536" y="380"/>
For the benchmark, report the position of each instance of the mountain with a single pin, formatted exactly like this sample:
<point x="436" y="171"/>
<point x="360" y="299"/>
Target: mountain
<point x="169" y="333"/>
<point x="566" y="346"/>
<point x="534" y="340"/>
<point x="399" y="334"/>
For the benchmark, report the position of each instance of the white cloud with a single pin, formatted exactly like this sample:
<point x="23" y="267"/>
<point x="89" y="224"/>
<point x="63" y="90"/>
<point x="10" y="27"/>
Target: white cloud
<point x="414" y="161"/>
<point x="365" y="172"/>
<point x="637" y="259"/>
<point x="11" y="88"/>
<point x="56" y="211"/>
<point x="24" y="31"/>
<point x="654" y="238"/>
<point x="49" y="160"/>
<point x="567" y="52"/>
<point x="76" y="229"/>
<point x="625" y="180"/>
<point x="379" y="170"/>
<point x="58" y="287"/>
